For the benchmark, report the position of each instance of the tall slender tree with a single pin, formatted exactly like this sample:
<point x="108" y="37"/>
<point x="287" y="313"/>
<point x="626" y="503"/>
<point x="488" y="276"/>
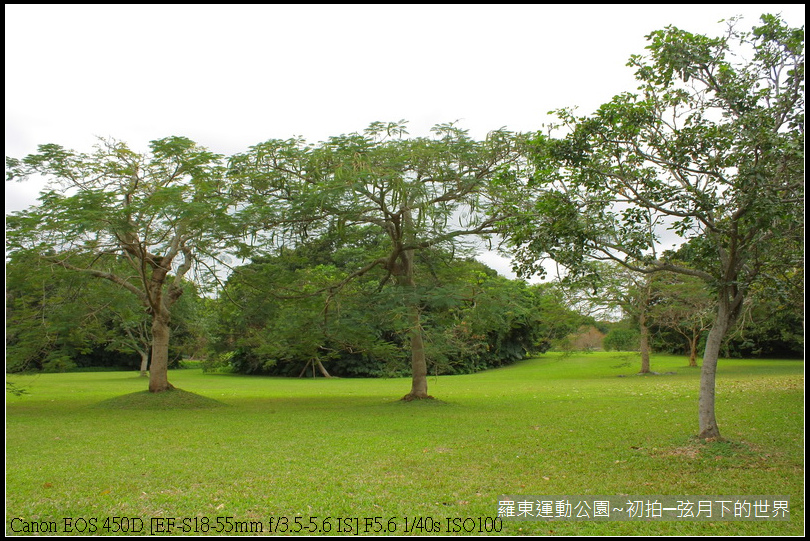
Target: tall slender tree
<point x="683" y="304"/>
<point x="710" y="147"/>
<point x="608" y="287"/>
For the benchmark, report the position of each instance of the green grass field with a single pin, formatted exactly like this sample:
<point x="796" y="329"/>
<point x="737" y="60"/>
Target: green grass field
<point x="341" y="456"/>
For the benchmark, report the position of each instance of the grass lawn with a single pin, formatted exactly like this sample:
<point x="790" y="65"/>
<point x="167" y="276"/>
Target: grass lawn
<point x="242" y="451"/>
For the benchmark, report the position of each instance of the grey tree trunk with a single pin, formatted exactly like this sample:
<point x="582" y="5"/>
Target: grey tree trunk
<point x="725" y="319"/>
<point x="644" y="331"/>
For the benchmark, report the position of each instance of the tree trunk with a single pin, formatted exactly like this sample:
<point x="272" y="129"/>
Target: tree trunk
<point x="644" y="331"/>
<point x="323" y="369"/>
<point x="304" y="370"/>
<point x="693" y="351"/>
<point x="159" y="371"/>
<point x="144" y="363"/>
<point x="707" y="421"/>
<point x="418" y="359"/>
<point x="644" y="343"/>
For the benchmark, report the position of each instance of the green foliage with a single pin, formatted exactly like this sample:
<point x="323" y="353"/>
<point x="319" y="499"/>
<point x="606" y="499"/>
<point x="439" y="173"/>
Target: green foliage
<point x="278" y="313"/>
<point x="51" y="322"/>
<point x="58" y="320"/>
<point x="770" y="324"/>
<point x="769" y="328"/>
<point x="711" y="147"/>
<point x="621" y="339"/>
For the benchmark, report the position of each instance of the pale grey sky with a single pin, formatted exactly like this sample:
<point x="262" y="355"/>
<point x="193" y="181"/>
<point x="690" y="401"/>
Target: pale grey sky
<point x="232" y="76"/>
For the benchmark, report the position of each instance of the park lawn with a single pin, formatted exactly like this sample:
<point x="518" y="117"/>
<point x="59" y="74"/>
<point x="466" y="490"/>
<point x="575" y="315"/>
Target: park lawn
<point x="322" y="455"/>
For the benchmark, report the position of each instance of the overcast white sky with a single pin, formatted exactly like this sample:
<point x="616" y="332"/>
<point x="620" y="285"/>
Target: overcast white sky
<point x="232" y="76"/>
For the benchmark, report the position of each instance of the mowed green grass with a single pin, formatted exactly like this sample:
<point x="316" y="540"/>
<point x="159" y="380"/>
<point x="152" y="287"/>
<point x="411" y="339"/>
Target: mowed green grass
<point x="85" y="446"/>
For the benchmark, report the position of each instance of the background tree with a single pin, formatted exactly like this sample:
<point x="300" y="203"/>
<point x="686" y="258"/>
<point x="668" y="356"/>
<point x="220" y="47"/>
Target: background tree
<point x="277" y="314"/>
<point x="711" y="147"/>
<point x="422" y="193"/>
<point x="58" y="320"/>
<point x="769" y="327"/>
<point x="610" y="289"/>
<point x="622" y="336"/>
<point x="159" y="214"/>
<point x="472" y="318"/>
<point x="55" y="319"/>
<point x="684" y="304"/>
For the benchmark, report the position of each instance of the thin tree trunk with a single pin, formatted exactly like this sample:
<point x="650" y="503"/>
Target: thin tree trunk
<point x="693" y="351"/>
<point x="142" y="351"/>
<point x="323" y="369"/>
<point x="707" y="421"/>
<point x="144" y="363"/>
<point x="304" y="370"/>
<point x="644" y="331"/>
<point x="418" y="359"/>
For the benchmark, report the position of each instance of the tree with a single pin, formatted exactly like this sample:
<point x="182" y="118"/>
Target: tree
<point x="608" y="286"/>
<point x="711" y="148"/>
<point x="622" y="337"/>
<point x="421" y="193"/>
<point x="157" y="215"/>
<point x="684" y="304"/>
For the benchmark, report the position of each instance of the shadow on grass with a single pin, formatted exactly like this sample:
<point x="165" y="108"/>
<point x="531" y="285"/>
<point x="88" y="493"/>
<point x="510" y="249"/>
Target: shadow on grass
<point x="167" y="400"/>
<point x="421" y="403"/>
<point x="712" y="452"/>
<point x="648" y="374"/>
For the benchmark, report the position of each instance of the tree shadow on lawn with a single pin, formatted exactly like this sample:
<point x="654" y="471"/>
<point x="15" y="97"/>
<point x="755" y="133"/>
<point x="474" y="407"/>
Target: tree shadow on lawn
<point x="167" y="400"/>
<point x="648" y="374"/>
<point x="720" y="452"/>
